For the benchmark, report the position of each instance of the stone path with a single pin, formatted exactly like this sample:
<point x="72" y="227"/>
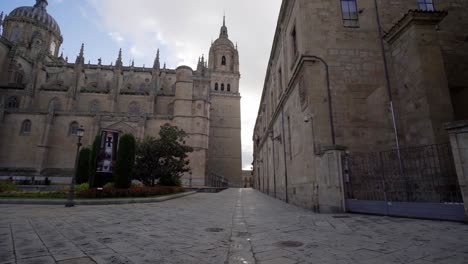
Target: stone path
<point x="234" y="226"/>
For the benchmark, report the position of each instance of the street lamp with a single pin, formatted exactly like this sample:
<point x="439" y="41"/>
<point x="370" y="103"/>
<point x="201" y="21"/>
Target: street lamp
<point x="71" y="193"/>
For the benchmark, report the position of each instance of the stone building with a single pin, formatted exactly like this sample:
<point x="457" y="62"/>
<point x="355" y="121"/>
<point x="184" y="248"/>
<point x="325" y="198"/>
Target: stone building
<point x="350" y="73"/>
<point x="44" y="99"/>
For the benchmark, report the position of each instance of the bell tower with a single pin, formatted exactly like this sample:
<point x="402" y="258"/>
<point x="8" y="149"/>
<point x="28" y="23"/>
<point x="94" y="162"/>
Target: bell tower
<point x="225" y="157"/>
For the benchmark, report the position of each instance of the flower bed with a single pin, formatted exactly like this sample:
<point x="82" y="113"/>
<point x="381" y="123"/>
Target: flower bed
<point x="133" y="192"/>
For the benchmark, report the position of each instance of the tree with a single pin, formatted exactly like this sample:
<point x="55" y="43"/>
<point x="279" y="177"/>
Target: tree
<point x="164" y="158"/>
<point x="125" y="162"/>
<point x="83" y="168"/>
<point x="93" y="161"/>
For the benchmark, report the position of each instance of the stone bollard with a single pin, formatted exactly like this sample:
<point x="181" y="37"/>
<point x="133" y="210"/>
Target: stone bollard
<point x="458" y="132"/>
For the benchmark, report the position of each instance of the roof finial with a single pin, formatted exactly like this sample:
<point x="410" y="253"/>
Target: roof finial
<point x="41" y="3"/>
<point x="224" y="31"/>
<point x="80" y="57"/>
<point x="118" y="63"/>
<point x="156" y="64"/>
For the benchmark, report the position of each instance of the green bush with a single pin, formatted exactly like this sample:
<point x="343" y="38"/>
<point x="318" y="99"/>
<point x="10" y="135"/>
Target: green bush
<point x="83" y="169"/>
<point x="35" y="195"/>
<point x="82" y="187"/>
<point x="125" y="162"/>
<point x="109" y="185"/>
<point x="7" y="186"/>
<point x="93" y="161"/>
<point x="170" y="180"/>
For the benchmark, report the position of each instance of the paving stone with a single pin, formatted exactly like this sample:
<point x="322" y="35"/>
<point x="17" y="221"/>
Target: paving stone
<point x="251" y="226"/>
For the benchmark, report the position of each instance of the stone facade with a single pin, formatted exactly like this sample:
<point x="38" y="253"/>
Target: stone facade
<point x="43" y="98"/>
<point x="330" y="79"/>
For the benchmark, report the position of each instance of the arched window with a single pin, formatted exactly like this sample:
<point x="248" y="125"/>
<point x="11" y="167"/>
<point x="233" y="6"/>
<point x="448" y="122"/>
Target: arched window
<point x="134" y="108"/>
<point x="26" y="127"/>
<point x="229" y="87"/>
<point x="53" y="47"/>
<point x="94" y="107"/>
<point x="223" y="60"/>
<point x="12" y="103"/>
<point x="73" y="129"/>
<point x="222" y="87"/>
<point x="216" y="87"/>
<point x="54" y="105"/>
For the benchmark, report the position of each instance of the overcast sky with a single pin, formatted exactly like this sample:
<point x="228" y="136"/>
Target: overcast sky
<point x="182" y="29"/>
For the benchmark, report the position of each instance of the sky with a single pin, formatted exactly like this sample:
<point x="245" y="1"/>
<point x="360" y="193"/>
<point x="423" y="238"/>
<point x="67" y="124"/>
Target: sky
<point x="182" y="29"/>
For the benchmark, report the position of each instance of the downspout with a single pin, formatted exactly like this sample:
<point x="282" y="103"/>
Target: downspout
<point x="389" y="89"/>
<point x="274" y="165"/>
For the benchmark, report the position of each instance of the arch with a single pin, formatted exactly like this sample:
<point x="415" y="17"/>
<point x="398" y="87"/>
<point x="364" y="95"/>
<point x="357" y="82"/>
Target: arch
<point x="26" y="127"/>
<point x="229" y="87"/>
<point x="54" y="105"/>
<point x="223" y="60"/>
<point x="134" y="108"/>
<point x="216" y="87"/>
<point x="222" y="87"/>
<point x="53" y="47"/>
<point x="12" y="103"/>
<point x="73" y="128"/>
<point x="94" y="107"/>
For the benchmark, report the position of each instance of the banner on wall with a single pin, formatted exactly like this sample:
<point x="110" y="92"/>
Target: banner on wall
<point x="108" y="152"/>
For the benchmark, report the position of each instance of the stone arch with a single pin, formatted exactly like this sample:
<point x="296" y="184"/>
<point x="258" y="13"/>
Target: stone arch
<point x="26" y="127"/>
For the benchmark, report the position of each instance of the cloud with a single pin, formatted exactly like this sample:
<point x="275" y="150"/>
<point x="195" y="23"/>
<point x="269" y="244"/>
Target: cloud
<point x="184" y="29"/>
<point x="116" y="36"/>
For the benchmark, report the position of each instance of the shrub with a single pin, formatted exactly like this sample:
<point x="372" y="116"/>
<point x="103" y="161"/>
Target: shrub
<point x="109" y="185"/>
<point x="93" y="161"/>
<point x="125" y="161"/>
<point x="81" y="187"/>
<point x="83" y="169"/>
<point x="131" y="192"/>
<point x="35" y="195"/>
<point x="7" y="186"/>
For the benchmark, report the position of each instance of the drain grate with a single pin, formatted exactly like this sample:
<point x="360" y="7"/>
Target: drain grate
<point x="214" y="230"/>
<point x="289" y="244"/>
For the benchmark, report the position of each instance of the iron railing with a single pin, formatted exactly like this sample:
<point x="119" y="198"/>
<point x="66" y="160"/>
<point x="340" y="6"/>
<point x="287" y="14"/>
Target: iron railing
<point x="429" y="175"/>
<point x="215" y="180"/>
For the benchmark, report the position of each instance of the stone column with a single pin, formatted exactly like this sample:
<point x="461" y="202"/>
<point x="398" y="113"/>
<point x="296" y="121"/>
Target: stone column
<point x="458" y="132"/>
<point x="330" y="180"/>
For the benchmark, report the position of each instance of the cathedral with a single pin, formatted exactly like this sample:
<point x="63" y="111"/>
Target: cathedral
<point x="44" y="99"/>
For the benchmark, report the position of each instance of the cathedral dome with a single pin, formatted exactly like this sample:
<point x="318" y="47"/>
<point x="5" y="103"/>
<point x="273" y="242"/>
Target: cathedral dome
<point x="223" y="41"/>
<point x="36" y="14"/>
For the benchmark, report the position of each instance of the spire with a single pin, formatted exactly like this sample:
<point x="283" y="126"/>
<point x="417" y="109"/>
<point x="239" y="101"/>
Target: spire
<point x="80" y="58"/>
<point x="224" y="31"/>
<point x="118" y="63"/>
<point x="133" y="63"/>
<point x="156" y="64"/>
<point x="41" y="4"/>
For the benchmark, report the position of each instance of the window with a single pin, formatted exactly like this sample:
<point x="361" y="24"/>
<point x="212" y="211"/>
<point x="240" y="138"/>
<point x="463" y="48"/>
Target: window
<point x="223" y="60"/>
<point x="222" y="87"/>
<point x="229" y="87"/>
<point x="426" y="5"/>
<point x="73" y="129"/>
<point x="350" y="13"/>
<point x="26" y="127"/>
<point x="12" y="103"/>
<point x="216" y="87"/>
<point x="54" y="105"/>
<point x="16" y="74"/>
<point x="294" y="41"/>
<point x="94" y="107"/>
<point x="280" y="80"/>
<point x="53" y="47"/>
<point x="134" y="108"/>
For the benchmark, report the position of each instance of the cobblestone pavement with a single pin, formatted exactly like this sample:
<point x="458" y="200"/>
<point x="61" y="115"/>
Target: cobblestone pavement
<point x="234" y="226"/>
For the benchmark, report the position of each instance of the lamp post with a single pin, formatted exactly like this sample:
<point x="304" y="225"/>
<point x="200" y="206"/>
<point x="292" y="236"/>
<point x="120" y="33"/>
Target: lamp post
<point x="71" y="193"/>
